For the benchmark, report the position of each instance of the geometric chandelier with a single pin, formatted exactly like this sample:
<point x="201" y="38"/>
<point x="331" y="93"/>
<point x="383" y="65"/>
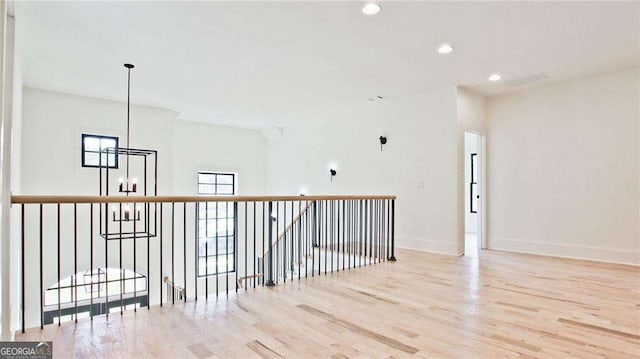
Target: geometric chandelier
<point x="129" y="220"/>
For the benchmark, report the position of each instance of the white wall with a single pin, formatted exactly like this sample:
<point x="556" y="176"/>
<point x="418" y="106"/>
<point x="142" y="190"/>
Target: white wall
<point x="16" y="170"/>
<point x="52" y="127"/>
<point x="10" y="170"/>
<point x="54" y="123"/>
<point x="6" y="53"/>
<point x="564" y="169"/>
<point x="202" y="147"/>
<point x="472" y="109"/>
<point x="418" y="164"/>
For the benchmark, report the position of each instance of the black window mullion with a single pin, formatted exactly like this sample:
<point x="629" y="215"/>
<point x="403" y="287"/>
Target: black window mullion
<point x="100" y="139"/>
<point x="215" y="215"/>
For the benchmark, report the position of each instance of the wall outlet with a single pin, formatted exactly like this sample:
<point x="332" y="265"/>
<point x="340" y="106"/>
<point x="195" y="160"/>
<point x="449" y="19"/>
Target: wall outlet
<point x="420" y="184"/>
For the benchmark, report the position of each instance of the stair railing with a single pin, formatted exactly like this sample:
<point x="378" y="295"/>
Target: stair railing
<point x="97" y="255"/>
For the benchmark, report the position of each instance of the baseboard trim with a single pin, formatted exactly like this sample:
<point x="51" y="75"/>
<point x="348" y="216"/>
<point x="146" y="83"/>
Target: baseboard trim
<point x="428" y="245"/>
<point x="566" y="251"/>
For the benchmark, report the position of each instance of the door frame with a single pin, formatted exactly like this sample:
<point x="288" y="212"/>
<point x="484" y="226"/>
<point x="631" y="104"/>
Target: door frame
<point x="482" y="187"/>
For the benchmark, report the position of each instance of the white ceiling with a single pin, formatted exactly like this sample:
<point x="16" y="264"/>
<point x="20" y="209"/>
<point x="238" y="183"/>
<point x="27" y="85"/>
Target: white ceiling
<point x="268" y="63"/>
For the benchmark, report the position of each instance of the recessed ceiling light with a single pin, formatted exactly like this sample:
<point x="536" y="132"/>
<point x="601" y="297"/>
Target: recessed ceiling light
<point x="371" y="8"/>
<point x="445" y="49"/>
<point x="495" y="77"/>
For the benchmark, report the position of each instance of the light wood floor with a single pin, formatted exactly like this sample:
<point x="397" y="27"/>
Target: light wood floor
<point x="499" y="305"/>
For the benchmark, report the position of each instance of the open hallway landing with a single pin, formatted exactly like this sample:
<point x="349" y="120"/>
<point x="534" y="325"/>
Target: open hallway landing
<point x="425" y="305"/>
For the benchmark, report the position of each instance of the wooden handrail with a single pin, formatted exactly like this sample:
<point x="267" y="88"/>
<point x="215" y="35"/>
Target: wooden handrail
<point x="54" y="199"/>
<point x="293" y="222"/>
<point x="250" y="276"/>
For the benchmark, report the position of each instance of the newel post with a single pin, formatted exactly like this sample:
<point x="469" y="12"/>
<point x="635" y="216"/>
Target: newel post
<point x="393" y="230"/>
<point x="270" y="282"/>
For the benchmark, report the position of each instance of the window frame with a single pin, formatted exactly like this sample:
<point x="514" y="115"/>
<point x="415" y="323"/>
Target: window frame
<point x="83" y="150"/>
<point x="231" y="248"/>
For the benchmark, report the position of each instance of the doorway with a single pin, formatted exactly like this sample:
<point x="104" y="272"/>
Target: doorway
<point x="473" y="207"/>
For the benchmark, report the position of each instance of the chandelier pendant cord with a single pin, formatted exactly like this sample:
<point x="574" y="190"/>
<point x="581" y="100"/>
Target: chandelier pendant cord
<point x="128" y="115"/>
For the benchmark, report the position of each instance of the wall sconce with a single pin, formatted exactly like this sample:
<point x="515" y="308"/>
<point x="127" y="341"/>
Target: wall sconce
<point x="332" y="172"/>
<point x="383" y="141"/>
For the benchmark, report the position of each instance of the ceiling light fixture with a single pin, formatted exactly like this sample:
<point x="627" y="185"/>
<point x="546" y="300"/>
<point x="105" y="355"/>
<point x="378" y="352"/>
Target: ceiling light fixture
<point x="371" y="8"/>
<point x="445" y="49"/>
<point x="495" y="77"/>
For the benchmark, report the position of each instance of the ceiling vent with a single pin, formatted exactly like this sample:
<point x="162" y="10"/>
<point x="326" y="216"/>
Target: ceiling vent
<point x="527" y="80"/>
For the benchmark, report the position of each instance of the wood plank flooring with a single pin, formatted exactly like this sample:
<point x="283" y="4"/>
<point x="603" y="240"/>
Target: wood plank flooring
<point x="498" y="305"/>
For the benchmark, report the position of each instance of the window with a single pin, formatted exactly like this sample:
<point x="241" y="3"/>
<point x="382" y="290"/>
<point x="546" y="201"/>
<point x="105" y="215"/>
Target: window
<point x="93" y="145"/>
<point x="216" y="225"/>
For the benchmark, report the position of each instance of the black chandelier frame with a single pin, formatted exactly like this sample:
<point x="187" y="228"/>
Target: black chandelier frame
<point x="137" y="226"/>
